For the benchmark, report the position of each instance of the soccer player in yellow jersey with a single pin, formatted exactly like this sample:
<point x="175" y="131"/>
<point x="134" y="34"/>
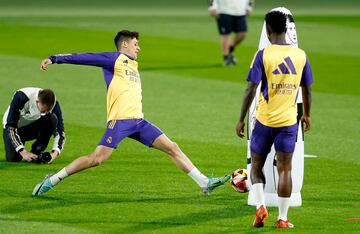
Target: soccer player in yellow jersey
<point x="281" y="68"/>
<point x="124" y="114"/>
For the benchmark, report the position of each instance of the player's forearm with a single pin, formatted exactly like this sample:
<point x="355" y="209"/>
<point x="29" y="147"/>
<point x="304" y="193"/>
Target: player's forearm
<point x="247" y="100"/>
<point x="59" y="141"/>
<point x="307" y="96"/>
<point x="14" y="139"/>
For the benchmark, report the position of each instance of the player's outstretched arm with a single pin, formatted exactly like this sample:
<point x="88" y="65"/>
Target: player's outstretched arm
<point x="105" y="59"/>
<point x="248" y="98"/>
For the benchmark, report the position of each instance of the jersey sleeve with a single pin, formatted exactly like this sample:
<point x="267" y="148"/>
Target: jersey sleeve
<point x="105" y="59"/>
<point x="59" y="139"/>
<point x="307" y="77"/>
<point x="13" y="117"/>
<point x="256" y="68"/>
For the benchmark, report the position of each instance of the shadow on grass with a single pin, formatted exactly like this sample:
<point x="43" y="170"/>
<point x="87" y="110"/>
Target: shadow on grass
<point x="9" y="165"/>
<point x="197" y="218"/>
<point x="45" y="202"/>
<point x="227" y="211"/>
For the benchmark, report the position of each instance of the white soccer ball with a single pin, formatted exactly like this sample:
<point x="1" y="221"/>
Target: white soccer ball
<point x="239" y="181"/>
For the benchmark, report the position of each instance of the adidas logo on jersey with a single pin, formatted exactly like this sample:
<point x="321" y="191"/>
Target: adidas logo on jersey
<point x="283" y="69"/>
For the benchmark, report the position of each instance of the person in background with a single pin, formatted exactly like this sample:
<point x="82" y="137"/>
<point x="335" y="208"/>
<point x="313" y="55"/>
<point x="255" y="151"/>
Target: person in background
<point x="231" y="18"/>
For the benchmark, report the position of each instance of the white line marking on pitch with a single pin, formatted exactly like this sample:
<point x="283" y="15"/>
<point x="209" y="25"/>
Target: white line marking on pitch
<point x="310" y="156"/>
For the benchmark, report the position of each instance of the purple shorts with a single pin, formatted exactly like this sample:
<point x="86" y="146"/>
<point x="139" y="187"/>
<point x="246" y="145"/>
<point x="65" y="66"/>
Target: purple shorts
<point x="137" y="129"/>
<point x="283" y="138"/>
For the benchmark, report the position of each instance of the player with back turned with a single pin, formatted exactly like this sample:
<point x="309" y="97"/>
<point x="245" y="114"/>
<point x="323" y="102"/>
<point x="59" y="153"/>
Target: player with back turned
<point x="124" y="114"/>
<point x="281" y="68"/>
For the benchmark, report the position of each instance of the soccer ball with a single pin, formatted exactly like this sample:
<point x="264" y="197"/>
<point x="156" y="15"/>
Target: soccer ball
<point x="239" y="181"/>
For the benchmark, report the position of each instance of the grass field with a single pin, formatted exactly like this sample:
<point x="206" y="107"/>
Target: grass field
<point x="190" y="96"/>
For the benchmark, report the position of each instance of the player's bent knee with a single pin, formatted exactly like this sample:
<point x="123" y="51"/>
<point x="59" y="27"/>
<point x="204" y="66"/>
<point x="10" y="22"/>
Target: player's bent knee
<point x="173" y="149"/>
<point x="95" y="159"/>
<point x="95" y="162"/>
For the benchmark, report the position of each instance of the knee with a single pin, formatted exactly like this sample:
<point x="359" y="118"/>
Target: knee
<point x="14" y="159"/>
<point x="256" y="167"/>
<point x="283" y="164"/>
<point x="11" y="155"/>
<point x="241" y="35"/>
<point x="173" y="149"/>
<point x="95" y="159"/>
<point x="50" y="120"/>
<point x="283" y="167"/>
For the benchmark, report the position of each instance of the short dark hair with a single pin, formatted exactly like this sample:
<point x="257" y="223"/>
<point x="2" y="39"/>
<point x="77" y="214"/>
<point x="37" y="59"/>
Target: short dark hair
<point x="124" y="35"/>
<point x="277" y="21"/>
<point x="47" y="97"/>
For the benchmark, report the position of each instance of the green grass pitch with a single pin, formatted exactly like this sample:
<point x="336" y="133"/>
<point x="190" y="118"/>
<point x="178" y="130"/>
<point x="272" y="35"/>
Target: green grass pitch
<point x="194" y="100"/>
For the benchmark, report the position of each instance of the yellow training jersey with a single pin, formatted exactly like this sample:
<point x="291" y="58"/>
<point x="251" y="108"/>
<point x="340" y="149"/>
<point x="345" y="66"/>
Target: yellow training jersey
<point x="121" y="77"/>
<point x="124" y="91"/>
<point x="282" y="69"/>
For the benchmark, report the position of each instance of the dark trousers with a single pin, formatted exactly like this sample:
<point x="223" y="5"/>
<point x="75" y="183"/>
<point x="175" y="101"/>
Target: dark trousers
<point x="40" y="131"/>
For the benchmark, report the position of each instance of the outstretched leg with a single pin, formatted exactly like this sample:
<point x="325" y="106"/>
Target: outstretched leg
<point x="164" y="144"/>
<point x="101" y="154"/>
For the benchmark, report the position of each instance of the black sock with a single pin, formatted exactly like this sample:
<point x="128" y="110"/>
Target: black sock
<point x="231" y="49"/>
<point x="226" y="57"/>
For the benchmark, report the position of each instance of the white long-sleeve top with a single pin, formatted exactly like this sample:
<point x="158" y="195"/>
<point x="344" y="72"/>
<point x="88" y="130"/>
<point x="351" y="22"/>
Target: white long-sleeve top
<point x="231" y="7"/>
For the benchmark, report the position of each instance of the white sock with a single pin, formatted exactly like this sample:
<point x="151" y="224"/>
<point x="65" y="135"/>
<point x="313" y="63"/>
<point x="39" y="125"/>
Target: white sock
<point x="198" y="177"/>
<point x="55" y="179"/>
<point x="258" y="190"/>
<point x="283" y="207"/>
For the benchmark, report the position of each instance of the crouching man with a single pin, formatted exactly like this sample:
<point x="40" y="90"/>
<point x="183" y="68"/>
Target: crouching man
<point x="33" y="114"/>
